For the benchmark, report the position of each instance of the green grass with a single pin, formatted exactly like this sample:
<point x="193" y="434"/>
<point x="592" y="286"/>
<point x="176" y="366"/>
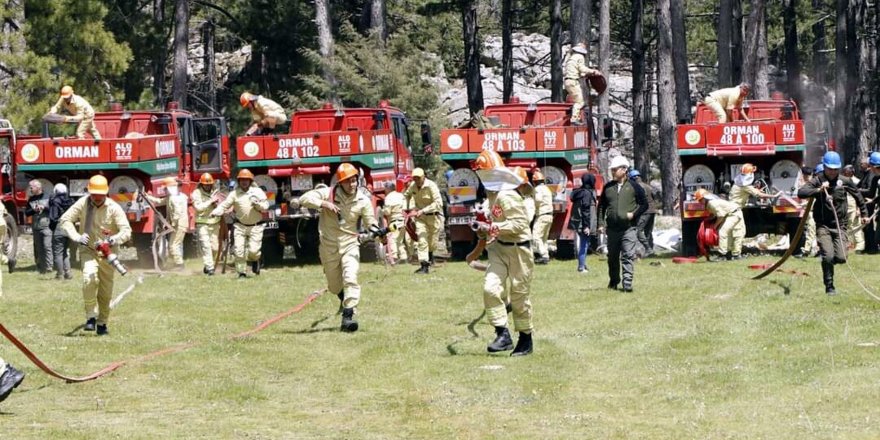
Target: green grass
<point x="698" y="351"/>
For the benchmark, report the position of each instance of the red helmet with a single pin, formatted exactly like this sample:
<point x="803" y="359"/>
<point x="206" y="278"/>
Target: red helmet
<point x="206" y="179"/>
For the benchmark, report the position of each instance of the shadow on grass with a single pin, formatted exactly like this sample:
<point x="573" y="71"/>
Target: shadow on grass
<point x="471" y="328"/>
<point x="786" y="288"/>
<point x="310" y="331"/>
<point x="76" y="331"/>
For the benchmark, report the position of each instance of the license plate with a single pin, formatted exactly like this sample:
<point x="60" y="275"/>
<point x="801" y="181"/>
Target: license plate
<point x="271" y="225"/>
<point x="465" y="220"/>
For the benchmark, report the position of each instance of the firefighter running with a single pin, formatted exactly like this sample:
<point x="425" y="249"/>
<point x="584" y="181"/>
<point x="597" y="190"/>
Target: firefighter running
<point x="722" y="102"/>
<point x="342" y="208"/>
<point x="205" y="198"/>
<point x="266" y="114"/>
<point x="510" y="256"/>
<point x="248" y="202"/>
<point x="575" y="69"/>
<point x="178" y="217"/>
<point x="729" y="222"/>
<point x="428" y="216"/>
<point x="543" y="218"/>
<point x="78" y="110"/>
<point x="100" y="220"/>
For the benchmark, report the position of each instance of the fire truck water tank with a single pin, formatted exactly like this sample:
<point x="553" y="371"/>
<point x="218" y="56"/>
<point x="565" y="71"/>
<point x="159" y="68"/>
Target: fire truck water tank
<point x="463" y="185"/>
<point x="785" y="175"/>
<point x="696" y="177"/>
<point x="122" y="190"/>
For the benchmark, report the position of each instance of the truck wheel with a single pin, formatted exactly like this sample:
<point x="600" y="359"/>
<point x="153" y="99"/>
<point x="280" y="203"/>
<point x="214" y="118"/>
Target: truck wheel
<point x="143" y="245"/>
<point x="370" y="252"/>
<point x="688" y="245"/>
<point x="460" y="249"/>
<point x="272" y="249"/>
<point x="10" y="241"/>
<point x="565" y="249"/>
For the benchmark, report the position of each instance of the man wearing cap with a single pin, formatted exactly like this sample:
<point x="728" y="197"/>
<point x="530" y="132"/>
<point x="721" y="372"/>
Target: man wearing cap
<point x="510" y="256"/>
<point x="342" y="208"/>
<point x="743" y="187"/>
<point x="645" y="226"/>
<point x="575" y="69"/>
<point x="248" y="203"/>
<point x="393" y="213"/>
<point x="723" y="101"/>
<point x="543" y="218"/>
<point x="830" y="190"/>
<point x="205" y="198"/>
<point x="428" y="216"/>
<point x="621" y="205"/>
<point x="100" y="219"/>
<point x="78" y="110"/>
<point x="178" y="217"/>
<point x="10" y="378"/>
<point x="266" y="113"/>
<point x="38" y="210"/>
<point x="729" y="222"/>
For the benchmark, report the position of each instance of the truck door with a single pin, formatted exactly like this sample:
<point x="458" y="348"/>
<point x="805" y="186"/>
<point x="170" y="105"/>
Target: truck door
<point x="207" y="138"/>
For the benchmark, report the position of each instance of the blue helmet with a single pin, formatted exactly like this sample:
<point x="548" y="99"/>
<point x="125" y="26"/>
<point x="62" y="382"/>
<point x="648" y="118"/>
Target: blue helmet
<point x="831" y="160"/>
<point x="819" y="169"/>
<point x="874" y="159"/>
<point x="448" y="174"/>
<point x="633" y="173"/>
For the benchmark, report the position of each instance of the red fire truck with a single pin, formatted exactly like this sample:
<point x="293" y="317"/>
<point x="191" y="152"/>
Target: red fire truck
<point x="375" y="140"/>
<point x="137" y="151"/>
<point x="7" y="142"/>
<point x="532" y="136"/>
<point x="712" y="154"/>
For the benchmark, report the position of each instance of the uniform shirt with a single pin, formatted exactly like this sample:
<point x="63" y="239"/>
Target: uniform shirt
<point x="340" y="230"/>
<point x="722" y="208"/>
<point x="204" y="204"/>
<point x="617" y="200"/>
<point x="543" y="200"/>
<point x="839" y="188"/>
<point x="266" y="108"/>
<point x="178" y="208"/>
<point x="728" y="98"/>
<point x="740" y="194"/>
<point x="247" y="205"/>
<point x="530" y="207"/>
<point x="507" y="209"/>
<point x="576" y="67"/>
<point x="394" y="205"/>
<point x="78" y="107"/>
<point x="427" y="198"/>
<point x="109" y="218"/>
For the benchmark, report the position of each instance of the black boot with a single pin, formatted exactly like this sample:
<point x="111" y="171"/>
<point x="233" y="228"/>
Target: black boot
<point x="431" y="258"/>
<point x="10" y="379"/>
<point x="523" y="345"/>
<point x="255" y="267"/>
<point x="508" y="307"/>
<point x="502" y="341"/>
<point x="424" y="267"/>
<point x="348" y="322"/>
<point x="90" y="325"/>
<point x="828" y="278"/>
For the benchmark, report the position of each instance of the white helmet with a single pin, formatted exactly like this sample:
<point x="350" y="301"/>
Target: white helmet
<point x="618" y="161"/>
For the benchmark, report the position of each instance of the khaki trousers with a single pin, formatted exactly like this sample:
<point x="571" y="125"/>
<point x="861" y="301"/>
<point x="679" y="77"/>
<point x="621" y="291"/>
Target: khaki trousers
<point x="428" y="228"/>
<point x="87" y="125"/>
<point x="513" y="263"/>
<point x="250" y="239"/>
<point x="97" y="287"/>
<point x="540" y="233"/>
<point x="856" y="237"/>
<point x="177" y="238"/>
<point x="209" y="242"/>
<point x="809" y="234"/>
<point x="717" y="109"/>
<point x="397" y="242"/>
<point x="574" y="91"/>
<point x="731" y="233"/>
<point x="341" y="270"/>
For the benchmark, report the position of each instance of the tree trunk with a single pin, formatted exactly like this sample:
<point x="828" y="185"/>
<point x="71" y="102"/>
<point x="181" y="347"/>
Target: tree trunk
<point x="865" y="104"/>
<point x="325" y="45"/>
<point x="755" y="52"/>
<point x="556" y="86"/>
<point x="680" y="62"/>
<point x="377" y="21"/>
<point x="604" y="52"/>
<point x="159" y="61"/>
<point x="472" y="56"/>
<point x="792" y="61"/>
<point x="670" y="168"/>
<point x="724" y="30"/>
<point x="581" y="15"/>
<point x="181" y="41"/>
<point x="736" y="44"/>
<point x="640" y="95"/>
<point x="210" y="75"/>
<point x="13" y="44"/>
<point x="820" y="61"/>
<point x="840" y="62"/>
<point x="506" y="50"/>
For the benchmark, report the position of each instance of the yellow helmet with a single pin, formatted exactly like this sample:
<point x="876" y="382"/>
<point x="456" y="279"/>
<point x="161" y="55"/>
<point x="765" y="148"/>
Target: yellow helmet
<point x="66" y="91"/>
<point x="521" y="172"/>
<point x="345" y="171"/>
<point x="170" y="181"/>
<point x="245" y="174"/>
<point x="537" y="175"/>
<point x="488" y="160"/>
<point x="748" y="168"/>
<point x="98" y="185"/>
<point x="206" y="179"/>
<point x="245" y="98"/>
<point x="701" y="194"/>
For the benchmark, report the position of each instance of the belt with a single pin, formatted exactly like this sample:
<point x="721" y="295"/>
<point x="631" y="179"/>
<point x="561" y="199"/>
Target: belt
<point x="430" y="213"/>
<point x="546" y="213"/>
<point x="242" y="223"/>
<point x="572" y="79"/>
<point x="526" y="244"/>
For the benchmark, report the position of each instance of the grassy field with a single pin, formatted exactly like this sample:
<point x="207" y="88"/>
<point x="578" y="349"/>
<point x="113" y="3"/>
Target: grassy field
<point x="698" y="351"/>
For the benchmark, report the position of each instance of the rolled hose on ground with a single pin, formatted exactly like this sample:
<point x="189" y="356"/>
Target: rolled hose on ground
<point x="707" y="237"/>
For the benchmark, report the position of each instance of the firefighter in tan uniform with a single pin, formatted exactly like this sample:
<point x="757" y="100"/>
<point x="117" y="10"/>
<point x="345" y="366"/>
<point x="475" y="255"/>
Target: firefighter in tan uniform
<point x="510" y="256"/>
<point x="722" y="101"/>
<point x="806" y="250"/>
<point x="265" y="113"/>
<point x="428" y="216"/>
<point x="100" y="219"/>
<point x="743" y="187"/>
<point x="178" y="217"/>
<point x="575" y="69"/>
<point x="395" y="203"/>
<point x="729" y="221"/>
<point x="342" y="207"/>
<point x="79" y="110"/>
<point x="2" y="237"/>
<point x="543" y="219"/>
<point x="248" y="202"/>
<point x="855" y="234"/>
<point x="205" y="198"/>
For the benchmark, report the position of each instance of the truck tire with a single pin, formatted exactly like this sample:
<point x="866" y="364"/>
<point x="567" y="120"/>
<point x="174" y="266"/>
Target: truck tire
<point x="272" y="249"/>
<point x="565" y="249"/>
<point x="460" y="249"/>
<point x="688" y="245"/>
<point x="370" y="252"/>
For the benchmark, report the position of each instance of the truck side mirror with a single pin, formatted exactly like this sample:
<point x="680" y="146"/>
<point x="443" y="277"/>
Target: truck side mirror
<point x="426" y="133"/>
<point x="607" y="128"/>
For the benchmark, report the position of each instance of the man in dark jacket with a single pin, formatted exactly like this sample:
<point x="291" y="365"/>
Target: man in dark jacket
<point x="583" y="203"/>
<point x="58" y="205"/>
<point x="829" y="210"/>
<point x="38" y="209"/>
<point x="868" y="187"/>
<point x="645" y="228"/>
<point x="622" y="203"/>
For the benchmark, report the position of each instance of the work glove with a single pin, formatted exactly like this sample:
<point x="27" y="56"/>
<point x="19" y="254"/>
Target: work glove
<point x="364" y="237"/>
<point x="84" y="239"/>
<point x="111" y="241"/>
